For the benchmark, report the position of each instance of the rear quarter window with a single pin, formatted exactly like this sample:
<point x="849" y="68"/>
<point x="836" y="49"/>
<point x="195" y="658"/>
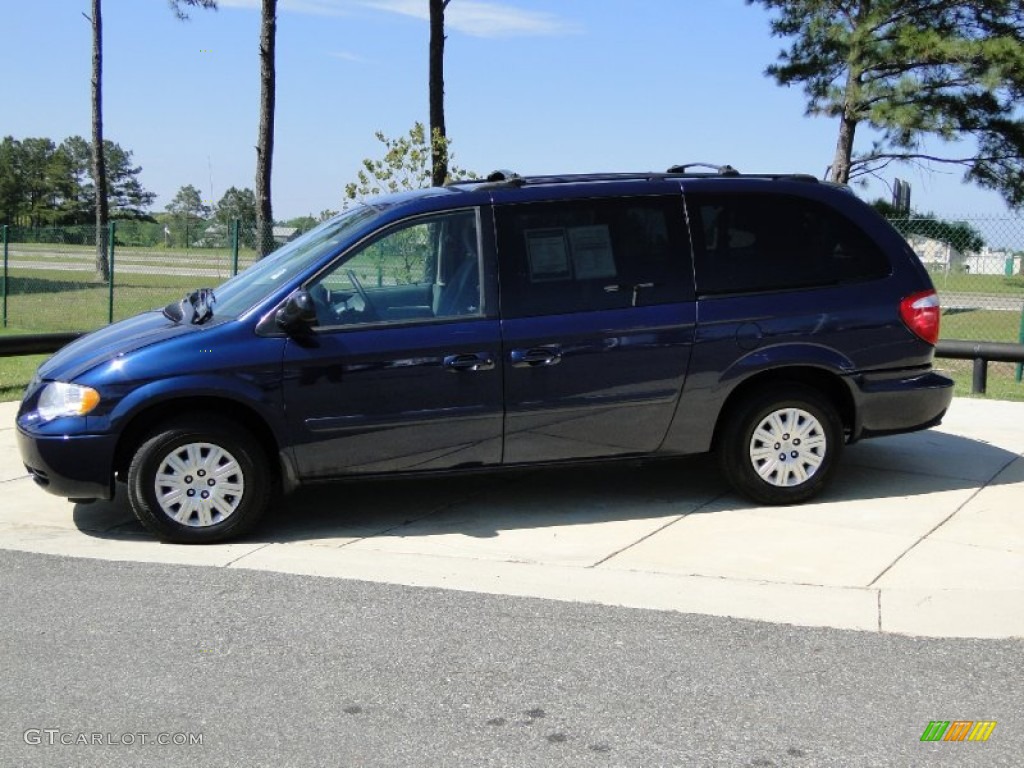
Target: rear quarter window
<point x="760" y="242"/>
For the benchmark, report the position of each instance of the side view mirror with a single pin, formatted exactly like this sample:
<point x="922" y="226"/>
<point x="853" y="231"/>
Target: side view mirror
<point x="297" y="313"/>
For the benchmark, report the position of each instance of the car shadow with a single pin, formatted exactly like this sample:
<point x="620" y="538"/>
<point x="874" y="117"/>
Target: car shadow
<point x="482" y="505"/>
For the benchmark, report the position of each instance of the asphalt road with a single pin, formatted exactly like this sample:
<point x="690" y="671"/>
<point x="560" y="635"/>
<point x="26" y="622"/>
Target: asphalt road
<point x="281" y="670"/>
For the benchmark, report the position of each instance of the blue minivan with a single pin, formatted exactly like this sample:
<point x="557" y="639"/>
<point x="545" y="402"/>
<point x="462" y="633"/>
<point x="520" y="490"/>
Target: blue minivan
<point x="500" y="323"/>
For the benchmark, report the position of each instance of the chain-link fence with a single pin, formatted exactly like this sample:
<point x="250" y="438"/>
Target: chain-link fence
<point x="54" y="279"/>
<point x="976" y="265"/>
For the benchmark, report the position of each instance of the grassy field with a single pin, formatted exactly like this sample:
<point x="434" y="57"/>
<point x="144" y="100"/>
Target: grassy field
<point x="15" y="373"/>
<point x="995" y="285"/>
<point x="1001" y="384"/>
<point x="41" y="300"/>
<point x="980" y="325"/>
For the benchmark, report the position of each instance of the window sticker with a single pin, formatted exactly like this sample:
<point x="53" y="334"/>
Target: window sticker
<point x="592" y="256"/>
<point x="548" y="255"/>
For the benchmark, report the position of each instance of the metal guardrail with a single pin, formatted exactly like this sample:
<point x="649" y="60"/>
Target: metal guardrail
<point x="35" y="343"/>
<point x="981" y="352"/>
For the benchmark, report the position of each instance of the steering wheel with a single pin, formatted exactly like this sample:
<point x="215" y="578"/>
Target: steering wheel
<point x="357" y="284"/>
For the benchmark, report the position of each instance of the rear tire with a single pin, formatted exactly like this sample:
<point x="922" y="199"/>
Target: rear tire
<point x="781" y="446"/>
<point x="195" y="482"/>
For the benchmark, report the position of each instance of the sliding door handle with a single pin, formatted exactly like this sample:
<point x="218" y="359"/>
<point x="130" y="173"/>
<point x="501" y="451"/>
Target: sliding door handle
<point x="536" y="357"/>
<point x="478" y="361"/>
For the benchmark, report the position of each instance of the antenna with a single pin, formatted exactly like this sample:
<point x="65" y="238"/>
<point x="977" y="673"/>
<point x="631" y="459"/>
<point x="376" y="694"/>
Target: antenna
<point x="209" y="164"/>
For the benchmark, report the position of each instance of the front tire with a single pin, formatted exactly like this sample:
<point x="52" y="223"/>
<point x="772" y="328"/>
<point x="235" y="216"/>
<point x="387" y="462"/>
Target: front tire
<point x="194" y="482"/>
<point x="782" y="445"/>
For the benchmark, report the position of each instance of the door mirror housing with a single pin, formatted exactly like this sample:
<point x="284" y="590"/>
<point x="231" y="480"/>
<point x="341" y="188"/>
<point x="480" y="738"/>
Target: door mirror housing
<point x="297" y="313"/>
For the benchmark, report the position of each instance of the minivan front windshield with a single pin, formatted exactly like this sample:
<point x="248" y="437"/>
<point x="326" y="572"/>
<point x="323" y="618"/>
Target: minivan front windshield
<point x="267" y="275"/>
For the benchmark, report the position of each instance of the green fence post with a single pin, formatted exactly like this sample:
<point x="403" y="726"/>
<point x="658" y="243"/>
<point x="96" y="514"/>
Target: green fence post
<point x="110" y="273"/>
<point x="1020" y="338"/>
<point x="234" y="247"/>
<point x="5" y="274"/>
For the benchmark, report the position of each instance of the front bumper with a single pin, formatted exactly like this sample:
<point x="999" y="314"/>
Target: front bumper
<point x="73" y="466"/>
<point x="893" y="403"/>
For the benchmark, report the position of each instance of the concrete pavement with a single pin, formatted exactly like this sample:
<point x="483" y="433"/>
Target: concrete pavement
<point x="920" y="534"/>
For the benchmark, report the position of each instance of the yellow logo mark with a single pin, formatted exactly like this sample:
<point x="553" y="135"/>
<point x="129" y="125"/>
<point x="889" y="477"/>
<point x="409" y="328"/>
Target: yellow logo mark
<point x="982" y="730"/>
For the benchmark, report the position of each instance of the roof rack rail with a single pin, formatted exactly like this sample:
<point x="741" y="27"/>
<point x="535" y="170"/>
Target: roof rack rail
<point x="721" y="170"/>
<point x="506" y="178"/>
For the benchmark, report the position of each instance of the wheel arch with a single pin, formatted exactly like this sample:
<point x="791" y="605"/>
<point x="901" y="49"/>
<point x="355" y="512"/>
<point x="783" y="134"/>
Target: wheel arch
<point x="146" y="421"/>
<point x="827" y="383"/>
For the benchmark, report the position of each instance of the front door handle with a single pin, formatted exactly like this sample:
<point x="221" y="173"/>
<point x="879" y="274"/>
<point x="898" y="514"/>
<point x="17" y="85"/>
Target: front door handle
<point x="474" y="361"/>
<point x="536" y="357"/>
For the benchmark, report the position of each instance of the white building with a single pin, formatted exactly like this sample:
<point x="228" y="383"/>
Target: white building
<point x="936" y="255"/>
<point x="992" y="262"/>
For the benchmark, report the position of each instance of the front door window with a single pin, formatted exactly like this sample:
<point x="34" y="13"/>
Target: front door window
<point x="425" y="269"/>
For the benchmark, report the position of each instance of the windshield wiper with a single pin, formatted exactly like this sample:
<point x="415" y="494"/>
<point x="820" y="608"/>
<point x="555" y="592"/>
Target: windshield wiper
<point x="197" y="306"/>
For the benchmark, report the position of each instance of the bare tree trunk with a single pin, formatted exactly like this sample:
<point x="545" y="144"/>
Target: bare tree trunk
<point x="265" y="143"/>
<point x="99" y="165"/>
<point x="842" y="161"/>
<point x="438" y="133"/>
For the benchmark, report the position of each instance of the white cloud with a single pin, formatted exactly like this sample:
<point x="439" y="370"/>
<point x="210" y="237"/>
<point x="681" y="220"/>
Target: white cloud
<point x="478" y="18"/>
<point x="483" y="19"/>
<point x="345" y="56"/>
<point x="311" y="7"/>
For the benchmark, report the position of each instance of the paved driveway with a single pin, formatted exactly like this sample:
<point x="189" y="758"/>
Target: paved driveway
<point x="920" y="534"/>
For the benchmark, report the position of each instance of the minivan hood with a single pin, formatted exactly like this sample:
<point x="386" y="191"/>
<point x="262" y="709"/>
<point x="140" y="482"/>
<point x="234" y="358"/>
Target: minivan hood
<point x="107" y="343"/>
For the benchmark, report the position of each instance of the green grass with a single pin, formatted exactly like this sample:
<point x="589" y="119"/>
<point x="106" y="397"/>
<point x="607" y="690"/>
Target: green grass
<point x="980" y="325"/>
<point x="990" y="284"/>
<point x="15" y="373"/>
<point x="1001" y="384"/>
<point x="41" y="301"/>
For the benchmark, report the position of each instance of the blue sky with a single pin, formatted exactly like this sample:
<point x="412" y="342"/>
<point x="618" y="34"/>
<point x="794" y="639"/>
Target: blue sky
<point x="538" y="87"/>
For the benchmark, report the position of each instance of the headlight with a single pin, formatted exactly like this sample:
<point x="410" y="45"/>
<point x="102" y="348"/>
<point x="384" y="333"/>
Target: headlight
<point x="61" y="399"/>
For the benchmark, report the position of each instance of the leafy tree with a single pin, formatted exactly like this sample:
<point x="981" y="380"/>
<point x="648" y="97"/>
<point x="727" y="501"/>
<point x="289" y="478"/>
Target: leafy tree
<point x="80" y="207"/>
<point x="911" y="69"/>
<point x="178" y="7"/>
<point x="10" y="180"/>
<point x="439" y="147"/>
<point x="126" y="197"/>
<point x="406" y="164"/>
<point x="46" y="184"/>
<point x="188" y="203"/>
<point x="237" y="204"/>
<point x="188" y="211"/>
<point x="958" y="234"/>
<point x="265" y="140"/>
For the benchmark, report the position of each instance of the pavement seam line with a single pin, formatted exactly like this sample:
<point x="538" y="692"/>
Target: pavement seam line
<point x="230" y="563"/>
<point x="944" y="520"/>
<point x="646" y="536"/>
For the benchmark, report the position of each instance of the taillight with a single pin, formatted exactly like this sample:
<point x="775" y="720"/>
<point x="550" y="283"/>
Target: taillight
<point x="920" y="312"/>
